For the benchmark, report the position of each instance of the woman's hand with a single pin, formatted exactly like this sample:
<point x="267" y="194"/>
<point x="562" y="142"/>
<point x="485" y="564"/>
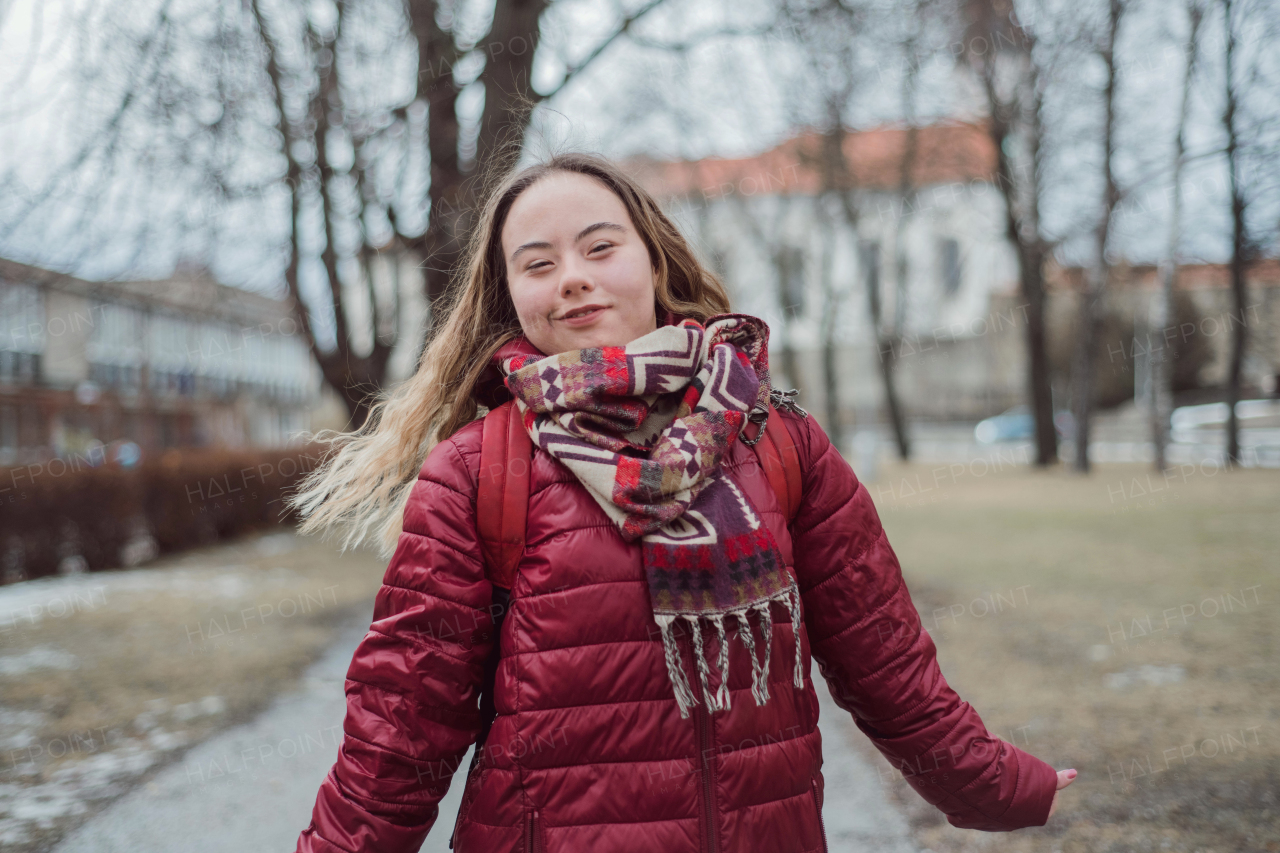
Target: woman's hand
<point x="1065" y="778"/>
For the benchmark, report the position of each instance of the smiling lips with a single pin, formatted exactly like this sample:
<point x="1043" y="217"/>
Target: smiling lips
<point x="583" y="315"/>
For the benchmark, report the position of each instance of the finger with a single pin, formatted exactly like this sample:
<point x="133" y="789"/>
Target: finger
<point x="1065" y="778"/>
<point x="1053" y="804"/>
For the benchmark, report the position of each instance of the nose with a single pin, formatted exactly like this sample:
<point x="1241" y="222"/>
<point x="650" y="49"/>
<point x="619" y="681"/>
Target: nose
<point x="575" y="280"/>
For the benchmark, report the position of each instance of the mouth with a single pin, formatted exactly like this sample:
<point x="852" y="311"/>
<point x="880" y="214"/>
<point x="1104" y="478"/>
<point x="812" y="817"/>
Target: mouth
<point x="582" y="314"/>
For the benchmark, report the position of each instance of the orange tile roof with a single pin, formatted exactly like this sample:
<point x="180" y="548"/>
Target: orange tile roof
<point x="945" y="153"/>
<point x="1264" y="272"/>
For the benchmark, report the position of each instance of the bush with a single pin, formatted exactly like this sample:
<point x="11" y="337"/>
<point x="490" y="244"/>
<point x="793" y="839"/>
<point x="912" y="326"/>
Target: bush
<point x="1121" y="340"/>
<point x="70" y="514"/>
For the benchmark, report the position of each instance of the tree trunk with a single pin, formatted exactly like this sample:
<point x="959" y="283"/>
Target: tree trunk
<point x="831" y="310"/>
<point x="1039" y="388"/>
<point x="1239" y="243"/>
<point x="897" y="419"/>
<point x="993" y="23"/>
<point x="1100" y="270"/>
<point x="886" y="356"/>
<point x="831" y="392"/>
<point x="509" y="50"/>
<point x="1239" y="326"/>
<point x="1084" y="365"/>
<point x="1022" y="230"/>
<point x="889" y="344"/>
<point x="1161" y="399"/>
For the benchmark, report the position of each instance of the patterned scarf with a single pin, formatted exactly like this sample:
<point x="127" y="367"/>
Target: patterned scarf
<point x="644" y="428"/>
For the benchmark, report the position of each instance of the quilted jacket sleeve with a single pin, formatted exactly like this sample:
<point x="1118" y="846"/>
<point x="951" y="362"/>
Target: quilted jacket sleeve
<point x="880" y="663"/>
<point x="413" y="685"/>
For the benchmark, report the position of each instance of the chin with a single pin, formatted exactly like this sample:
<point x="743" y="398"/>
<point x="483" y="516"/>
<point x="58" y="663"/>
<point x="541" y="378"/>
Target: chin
<point x="597" y="338"/>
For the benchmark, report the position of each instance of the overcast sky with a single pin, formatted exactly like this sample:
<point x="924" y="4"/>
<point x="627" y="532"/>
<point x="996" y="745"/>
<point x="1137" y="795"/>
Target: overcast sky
<point x="726" y="96"/>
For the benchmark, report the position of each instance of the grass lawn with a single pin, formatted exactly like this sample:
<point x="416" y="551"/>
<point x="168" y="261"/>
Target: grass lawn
<point x="1122" y="624"/>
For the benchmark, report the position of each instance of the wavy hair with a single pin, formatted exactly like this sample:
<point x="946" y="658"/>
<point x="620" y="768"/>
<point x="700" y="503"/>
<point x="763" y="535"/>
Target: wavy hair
<point x="361" y="488"/>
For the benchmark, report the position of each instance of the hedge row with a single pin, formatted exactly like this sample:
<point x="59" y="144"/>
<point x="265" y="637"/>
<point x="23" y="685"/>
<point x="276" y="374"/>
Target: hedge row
<point x="71" y="514"/>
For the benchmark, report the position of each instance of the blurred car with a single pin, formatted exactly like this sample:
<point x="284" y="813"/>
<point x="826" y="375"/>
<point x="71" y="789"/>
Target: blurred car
<point x="1018" y="424"/>
<point x="1264" y="413"/>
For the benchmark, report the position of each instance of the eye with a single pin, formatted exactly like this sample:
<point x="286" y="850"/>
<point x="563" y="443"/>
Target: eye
<point x="538" y="265"/>
<point x="598" y="246"/>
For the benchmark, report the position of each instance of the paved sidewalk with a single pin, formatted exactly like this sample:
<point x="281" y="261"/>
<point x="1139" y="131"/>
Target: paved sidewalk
<point x="252" y="787"/>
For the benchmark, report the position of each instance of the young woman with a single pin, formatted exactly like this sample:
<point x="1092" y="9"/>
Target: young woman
<point x="653" y="683"/>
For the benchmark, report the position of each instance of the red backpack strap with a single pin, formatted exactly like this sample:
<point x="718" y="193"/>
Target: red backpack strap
<point x="781" y="463"/>
<point x="502" y="499"/>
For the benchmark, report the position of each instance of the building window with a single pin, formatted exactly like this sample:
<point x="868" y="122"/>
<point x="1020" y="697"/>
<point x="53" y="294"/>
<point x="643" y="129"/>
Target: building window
<point x="117" y="346"/>
<point x="21" y="319"/>
<point x="19" y="368"/>
<point x="20" y="429"/>
<point x="949" y="266"/>
<point x="8" y="431"/>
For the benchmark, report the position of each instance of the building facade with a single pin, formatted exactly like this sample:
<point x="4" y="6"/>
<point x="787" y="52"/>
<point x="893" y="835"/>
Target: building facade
<point x="90" y="367"/>
<point x="902" y="255"/>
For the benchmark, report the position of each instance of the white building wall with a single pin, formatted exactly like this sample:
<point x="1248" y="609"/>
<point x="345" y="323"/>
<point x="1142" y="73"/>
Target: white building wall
<point x="954" y="359"/>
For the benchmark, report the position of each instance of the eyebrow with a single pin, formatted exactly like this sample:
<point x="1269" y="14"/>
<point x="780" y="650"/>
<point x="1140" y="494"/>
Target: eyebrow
<point x="543" y="244"/>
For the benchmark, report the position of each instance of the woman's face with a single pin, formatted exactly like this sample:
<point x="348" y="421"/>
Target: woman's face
<point x="578" y="270"/>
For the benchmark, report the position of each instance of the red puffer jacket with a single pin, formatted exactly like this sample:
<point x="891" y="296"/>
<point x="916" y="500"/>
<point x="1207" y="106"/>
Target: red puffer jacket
<point x="588" y="751"/>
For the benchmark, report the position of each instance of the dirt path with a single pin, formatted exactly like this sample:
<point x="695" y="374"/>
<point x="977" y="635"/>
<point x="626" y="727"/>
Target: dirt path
<point x="252" y="787"/>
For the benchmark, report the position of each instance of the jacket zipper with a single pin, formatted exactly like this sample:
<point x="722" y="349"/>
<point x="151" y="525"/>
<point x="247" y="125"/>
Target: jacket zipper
<point x="708" y="783"/>
<point x="813" y="789"/>
<point x="533" y="835"/>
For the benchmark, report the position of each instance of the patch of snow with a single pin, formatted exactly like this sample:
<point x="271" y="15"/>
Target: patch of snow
<point x="18" y="729"/>
<point x="15" y="717"/>
<point x="146" y="721"/>
<point x="209" y="705"/>
<point x="139" y="550"/>
<point x="27" y="603"/>
<point x="39" y="657"/>
<point x="101" y="775"/>
<point x="165" y="741"/>
<point x="69" y="789"/>
<point x="276" y="543"/>
<point x="1145" y="674"/>
<point x="231" y="584"/>
<point x="73" y="565"/>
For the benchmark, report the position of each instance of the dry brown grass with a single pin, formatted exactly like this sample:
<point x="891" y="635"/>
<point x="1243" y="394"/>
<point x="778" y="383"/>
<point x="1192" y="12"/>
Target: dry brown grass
<point x="1093" y="579"/>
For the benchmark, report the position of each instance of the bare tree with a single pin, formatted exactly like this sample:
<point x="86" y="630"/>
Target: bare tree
<point x="508" y="49"/>
<point x="838" y="187"/>
<point x="1002" y="55"/>
<point x="322" y="121"/>
<point x="1098" y="274"/>
<point x="1161" y="396"/>
<point x="833" y="35"/>
<point x="890" y="331"/>
<point x="457" y="155"/>
<point x="834" y="295"/>
<point x="1251" y="149"/>
<point x="377" y="164"/>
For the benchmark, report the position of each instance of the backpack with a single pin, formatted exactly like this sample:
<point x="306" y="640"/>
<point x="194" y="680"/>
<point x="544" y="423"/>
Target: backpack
<point x="502" y="509"/>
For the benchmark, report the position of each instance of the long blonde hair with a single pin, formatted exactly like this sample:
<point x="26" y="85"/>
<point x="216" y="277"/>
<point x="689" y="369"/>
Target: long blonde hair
<point x="362" y="487"/>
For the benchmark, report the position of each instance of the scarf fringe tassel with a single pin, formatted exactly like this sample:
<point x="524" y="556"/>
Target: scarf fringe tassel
<point x="719" y="700"/>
